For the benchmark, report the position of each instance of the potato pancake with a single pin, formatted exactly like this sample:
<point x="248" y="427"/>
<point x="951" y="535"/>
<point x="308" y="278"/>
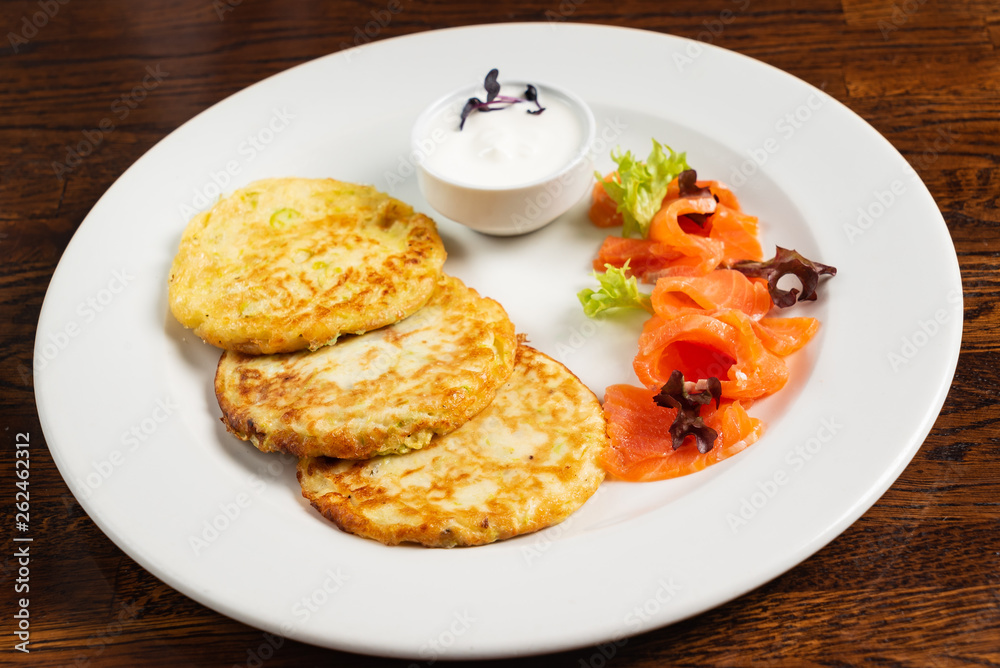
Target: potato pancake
<point x="288" y="264"/>
<point x="526" y="462"/>
<point x="389" y="390"/>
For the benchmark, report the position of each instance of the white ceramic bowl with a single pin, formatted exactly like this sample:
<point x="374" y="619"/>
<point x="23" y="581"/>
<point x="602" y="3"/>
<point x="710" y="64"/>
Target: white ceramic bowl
<point x="505" y="210"/>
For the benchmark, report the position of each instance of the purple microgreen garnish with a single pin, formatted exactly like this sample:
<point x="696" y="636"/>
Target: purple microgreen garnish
<point x="786" y="262"/>
<point x="531" y="95"/>
<point x="687" y="182"/>
<point x="471" y="105"/>
<point x="688" y="398"/>
<point x="491" y="85"/>
<point x="495" y="101"/>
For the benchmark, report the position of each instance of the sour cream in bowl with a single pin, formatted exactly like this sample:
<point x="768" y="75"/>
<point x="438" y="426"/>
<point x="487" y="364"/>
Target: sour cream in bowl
<point x="505" y="168"/>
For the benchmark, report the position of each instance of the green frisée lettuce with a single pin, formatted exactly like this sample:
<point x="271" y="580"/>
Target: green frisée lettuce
<point x="641" y="186"/>
<point x="617" y="290"/>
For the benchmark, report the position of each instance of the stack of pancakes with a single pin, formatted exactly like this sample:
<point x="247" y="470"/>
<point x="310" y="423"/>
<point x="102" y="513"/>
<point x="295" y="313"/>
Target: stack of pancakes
<point x="417" y="413"/>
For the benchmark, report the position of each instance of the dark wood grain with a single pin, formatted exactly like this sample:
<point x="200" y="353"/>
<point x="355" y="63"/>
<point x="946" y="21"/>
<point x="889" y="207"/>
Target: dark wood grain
<point x="915" y="582"/>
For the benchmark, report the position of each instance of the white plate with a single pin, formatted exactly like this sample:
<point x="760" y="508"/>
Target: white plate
<point x="126" y="402"/>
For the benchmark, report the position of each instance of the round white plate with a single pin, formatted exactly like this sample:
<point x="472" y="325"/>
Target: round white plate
<point x="127" y="406"/>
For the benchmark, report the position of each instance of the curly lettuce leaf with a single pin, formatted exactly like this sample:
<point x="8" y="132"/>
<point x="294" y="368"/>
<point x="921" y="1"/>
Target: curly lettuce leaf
<point x="641" y="185"/>
<point x="618" y="290"/>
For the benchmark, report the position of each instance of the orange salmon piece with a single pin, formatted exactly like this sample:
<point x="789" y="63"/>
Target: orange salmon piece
<point x="719" y="289"/>
<point x="700" y="254"/>
<point x="722" y="344"/>
<point x="737" y="232"/>
<point x="722" y="194"/>
<point x="641" y="446"/>
<point x="645" y="257"/>
<point x="604" y="210"/>
<point x="727" y="234"/>
<point x="783" y="336"/>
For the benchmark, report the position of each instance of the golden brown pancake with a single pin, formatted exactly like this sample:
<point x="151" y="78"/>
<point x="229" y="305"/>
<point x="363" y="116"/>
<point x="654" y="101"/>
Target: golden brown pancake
<point x="288" y="264"/>
<point x="526" y="462"/>
<point x="389" y="390"/>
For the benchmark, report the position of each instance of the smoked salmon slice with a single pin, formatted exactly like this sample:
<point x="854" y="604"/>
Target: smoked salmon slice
<point x="699" y="254"/>
<point x="783" y="336"/>
<point x="723" y="345"/>
<point x="728" y="289"/>
<point x="646" y="257"/>
<point x="604" y="210"/>
<point x="677" y="246"/>
<point x="737" y="232"/>
<point x="641" y="446"/>
<point x="720" y="289"/>
<point x="725" y="235"/>
<point x="722" y="194"/>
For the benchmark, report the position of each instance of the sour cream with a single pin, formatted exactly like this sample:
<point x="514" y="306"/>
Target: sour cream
<point x="506" y="172"/>
<point x="506" y="147"/>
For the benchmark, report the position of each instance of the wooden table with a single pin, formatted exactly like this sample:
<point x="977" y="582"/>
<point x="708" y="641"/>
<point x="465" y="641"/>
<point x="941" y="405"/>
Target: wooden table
<point x="914" y="582"/>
